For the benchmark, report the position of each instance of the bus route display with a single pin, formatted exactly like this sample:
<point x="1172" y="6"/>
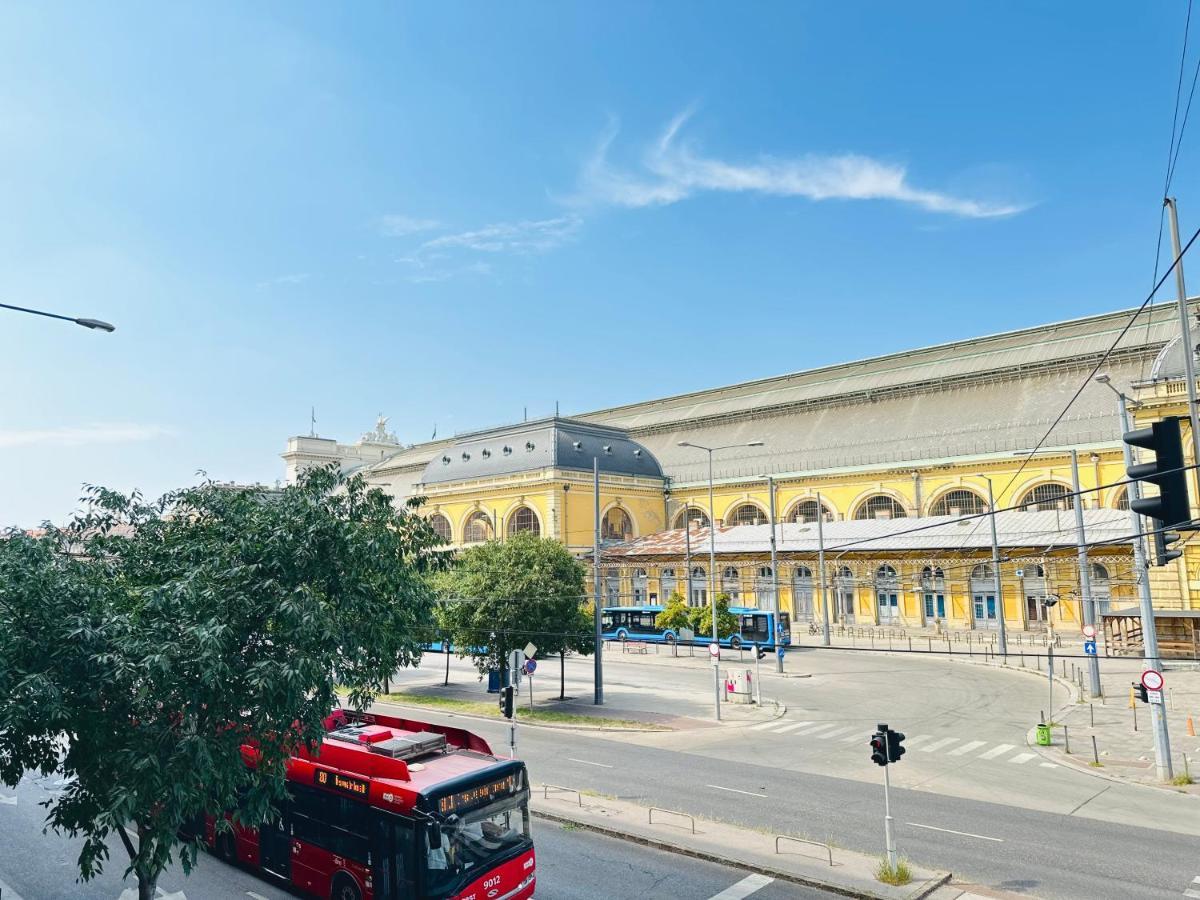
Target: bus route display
<point x="480" y="795"/>
<point x="355" y="787"/>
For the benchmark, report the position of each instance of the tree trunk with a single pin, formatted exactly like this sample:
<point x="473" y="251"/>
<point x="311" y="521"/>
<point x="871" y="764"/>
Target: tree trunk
<point x="446" y="647"/>
<point x="147" y="885"/>
<point x="562" y="674"/>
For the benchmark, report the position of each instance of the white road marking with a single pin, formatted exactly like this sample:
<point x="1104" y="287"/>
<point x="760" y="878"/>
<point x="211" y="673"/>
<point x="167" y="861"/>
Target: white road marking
<point x="786" y="728"/>
<point x="1022" y="758"/>
<point x="967" y="748"/>
<point x="997" y="751"/>
<point x="255" y="896"/>
<point x="736" y="791"/>
<point x="744" y="888"/>
<point x="938" y="745"/>
<point x="1049" y="765"/>
<point x="982" y="837"/>
<point x="828" y="726"/>
<point x="8" y="801"/>
<point x="836" y="732"/>
<point x="8" y="892"/>
<point x="588" y="762"/>
<point x="856" y="736"/>
<point x="915" y="739"/>
<point x="1195" y="895"/>
<point x="762" y="725"/>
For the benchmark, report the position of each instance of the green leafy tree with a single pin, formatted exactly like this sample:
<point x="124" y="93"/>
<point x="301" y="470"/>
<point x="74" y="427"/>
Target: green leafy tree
<point x="500" y="596"/>
<point x="675" y="614"/>
<point x="144" y="643"/>
<point x="727" y="623"/>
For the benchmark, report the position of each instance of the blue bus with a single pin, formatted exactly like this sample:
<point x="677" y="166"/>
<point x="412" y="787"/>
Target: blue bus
<point x="636" y="623"/>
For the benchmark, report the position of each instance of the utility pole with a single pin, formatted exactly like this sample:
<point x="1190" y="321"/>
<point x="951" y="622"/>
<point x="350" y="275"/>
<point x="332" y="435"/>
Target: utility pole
<point x="775" y="579"/>
<point x="821" y="573"/>
<point x="712" y="576"/>
<point x="598" y="650"/>
<point x="1185" y="332"/>
<point x="1085" y="577"/>
<point x="1158" y="711"/>
<point x="1002" y="643"/>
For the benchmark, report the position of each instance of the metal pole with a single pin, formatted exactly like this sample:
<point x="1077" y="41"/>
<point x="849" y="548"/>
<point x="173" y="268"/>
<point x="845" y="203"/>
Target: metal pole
<point x="889" y="839"/>
<point x="1185" y="331"/>
<point x="775" y="579"/>
<point x="1085" y="577"/>
<point x="821" y="573"/>
<point x="1002" y="644"/>
<point x="1050" y="674"/>
<point x="1158" y="715"/>
<point x="712" y="580"/>
<point x="598" y="649"/>
<point x="757" y="676"/>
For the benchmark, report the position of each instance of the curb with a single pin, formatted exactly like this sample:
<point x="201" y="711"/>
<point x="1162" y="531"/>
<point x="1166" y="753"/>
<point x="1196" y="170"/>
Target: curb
<point x="918" y="894"/>
<point x="524" y="724"/>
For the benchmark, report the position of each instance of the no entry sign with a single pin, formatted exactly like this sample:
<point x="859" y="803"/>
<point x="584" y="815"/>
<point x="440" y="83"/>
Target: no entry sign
<point x="1152" y="680"/>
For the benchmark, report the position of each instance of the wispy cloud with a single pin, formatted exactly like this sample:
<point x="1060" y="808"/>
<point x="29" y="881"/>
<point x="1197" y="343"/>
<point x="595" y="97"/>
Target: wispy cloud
<point x="528" y="236"/>
<point x="673" y="169"/>
<point x="398" y="225"/>
<point x="293" y="278"/>
<point x="83" y="435"/>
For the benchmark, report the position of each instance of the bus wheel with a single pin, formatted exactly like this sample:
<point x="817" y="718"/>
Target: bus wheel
<point x="344" y="888"/>
<point x="622" y="636"/>
<point x="669" y="638"/>
<point x="735" y="642"/>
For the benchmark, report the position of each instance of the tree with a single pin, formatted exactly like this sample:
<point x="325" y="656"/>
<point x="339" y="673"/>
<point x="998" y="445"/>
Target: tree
<point x="727" y="623"/>
<point x="501" y="596"/>
<point x="144" y="643"/>
<point x="675" y="614"/>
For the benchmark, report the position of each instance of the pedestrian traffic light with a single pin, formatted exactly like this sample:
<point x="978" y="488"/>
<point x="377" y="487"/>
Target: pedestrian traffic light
<point x="879" y="753"/>
<point x="506" y="702"/>
<point x="1170" y="508"/>
<point x="895" y="745"/>
<point x="1139" y="691"/>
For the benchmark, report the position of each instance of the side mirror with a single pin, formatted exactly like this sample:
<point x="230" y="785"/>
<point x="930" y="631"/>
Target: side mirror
<point x="435" y="836"/>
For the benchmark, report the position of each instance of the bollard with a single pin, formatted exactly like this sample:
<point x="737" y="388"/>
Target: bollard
<point x="1131" y="700"/>
<point x="1191" y="728"/>
<point x="910" y="645"/>
<point x="1066" y="740"/>
<point x="930" y="640"/>
<point x="1186" y="771"/>
<point x="1092" y="715"/>
<point x="1134" y="708"/>
<point x="1095" y="752"/>
<point x="1022" y="659"/>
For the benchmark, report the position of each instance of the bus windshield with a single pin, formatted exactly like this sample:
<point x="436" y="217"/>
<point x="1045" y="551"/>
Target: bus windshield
<point x="472" y="843"/>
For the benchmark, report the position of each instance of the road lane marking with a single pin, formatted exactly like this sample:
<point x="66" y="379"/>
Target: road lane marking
<point x="967" y="748"/>
<point x="589" y="762"/>
<point x="8" y="801"/>
<point x="815" y="731"/>
<point x="1049" y="765"/>
<point x="916" y="739"/>
<point x="938" y="745"/>
<point x="255" y="896"/>
<point x="982" y="837"/>
<point x="856" y="736"/>
<point x="736" y="791"/>
<point x="749" y="885"/>
<point x="786" y="728"/>
<point x="837" y="731"/>
<point x="761" y="725"/>
<point x="997" y="751"/>
<point x="1022" y="758"/>
<point x="8" y="891"/>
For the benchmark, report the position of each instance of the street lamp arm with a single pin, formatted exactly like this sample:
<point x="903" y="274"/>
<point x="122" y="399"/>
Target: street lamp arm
<point x="94" y="324"/>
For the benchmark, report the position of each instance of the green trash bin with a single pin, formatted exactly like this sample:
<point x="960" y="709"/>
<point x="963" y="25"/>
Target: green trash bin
<point x="1043" y="735"/>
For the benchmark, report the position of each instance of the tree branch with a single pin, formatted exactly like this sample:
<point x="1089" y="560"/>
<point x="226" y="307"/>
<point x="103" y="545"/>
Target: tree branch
<point x="128" y="843"/>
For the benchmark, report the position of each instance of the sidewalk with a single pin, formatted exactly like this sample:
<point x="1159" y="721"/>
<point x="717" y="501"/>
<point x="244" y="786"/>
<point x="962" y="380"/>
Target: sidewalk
<point x="786" y="857"/>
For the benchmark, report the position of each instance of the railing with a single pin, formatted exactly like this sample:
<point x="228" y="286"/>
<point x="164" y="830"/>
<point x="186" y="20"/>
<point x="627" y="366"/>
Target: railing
<point x="671" y="812"/>
<point x="547" y="788"/>
<point x="785" y="837"/>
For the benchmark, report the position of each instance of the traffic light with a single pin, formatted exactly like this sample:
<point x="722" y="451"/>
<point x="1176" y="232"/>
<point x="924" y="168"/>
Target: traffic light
<point x="1170" y="509"/>
<point x="879" y="751"/>
<point x="506" y="701"/>
<point x="895" y="745"/>
<point x="1139" y="691"/>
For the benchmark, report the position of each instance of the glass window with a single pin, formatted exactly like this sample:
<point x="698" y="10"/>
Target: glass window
<point x="746" y="514"/>
<point x="471" y="843"/>
<point x="441" y="525"/>
<point x="478" y="528"/>
<point x="1045" y="497"/>
<point x="523" y="519"/>
<point x="959" y="503"/>
<point x="880" y="506"/>
<point x="1123" y="499"/>
<point x="806" y="511"/>
<point x="695" y="516"/>
<point x="616" y="525"/>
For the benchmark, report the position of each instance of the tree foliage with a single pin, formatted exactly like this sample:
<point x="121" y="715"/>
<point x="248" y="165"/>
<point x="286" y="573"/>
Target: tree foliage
<point x="727" y="623"/>
<point x="142" y="644"/>
<point x="500" y="596"/>
<point x="675" y="614"/>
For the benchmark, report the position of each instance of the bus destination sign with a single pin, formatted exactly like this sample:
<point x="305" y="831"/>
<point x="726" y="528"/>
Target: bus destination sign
<point x="480" y="795"/>
<point x="355" y="787"/>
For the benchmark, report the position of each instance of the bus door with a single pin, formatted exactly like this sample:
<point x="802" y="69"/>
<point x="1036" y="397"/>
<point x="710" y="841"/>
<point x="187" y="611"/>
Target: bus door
<point x="392" y="856"/>
<point x="275" y="848"/>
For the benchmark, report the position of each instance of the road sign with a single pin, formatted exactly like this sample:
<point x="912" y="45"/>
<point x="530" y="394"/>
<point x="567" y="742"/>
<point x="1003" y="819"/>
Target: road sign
<point x="714" y="650"/>
<point x="530" y="651"/>
<point x="1089" y="631"/>
<point x="1154" y="696"/>
<point x="530" y="666"/>
<point x="1152" y="680"/>
<point x="1089" y="647"/>
<point x="516" y="665"/>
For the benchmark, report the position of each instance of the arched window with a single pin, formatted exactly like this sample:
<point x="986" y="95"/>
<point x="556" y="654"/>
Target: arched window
<point x="697" y="587"/>
<point x="802" y="593"/>
<point x="1098" y="572"/>
<point x="843" y="591"/>
<point x="981" y="571"/>
<point x="697" y="571"/>
<point x="731" y="583"/>
<point x="806" y="511"/>
<point x="803" y="572"/>
<point x="933" y="593"/>
<point x="616" y="525"/>
<point x="959" y="503"/>
<point x="884" y="573"/>
<point x="695" y="517"/>
<point x="880" y="506"/>
<point x="887" y="594"/>
<point x="932" y="573"/>
<point x="640" y="583"/>
<point x="984" y="603"/>
<point x="1122" y="499"/>
<point x="441" y="525"/>
<point x="1101" y="587"/>
<point x="478" y="528"/>
<point x="1047" y="496"/>
<point x="524" y="519"/>
<point x="746" y="514"/>
<point x="667" y="583"/>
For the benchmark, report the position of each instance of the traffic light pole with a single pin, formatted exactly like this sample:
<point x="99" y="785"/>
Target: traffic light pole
<point x="1158" y="711"/>
<point x="887" y="818"/>
<point x="775" y="580"/>
<point x="1002" y="642"/>
<point x="598" y="648"/>
<point x="1185" y="331"/>
<point x="1085" y="578"/>
<point x="821" y="573"/>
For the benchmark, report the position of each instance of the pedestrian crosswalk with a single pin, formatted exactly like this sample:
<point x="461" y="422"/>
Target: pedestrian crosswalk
<point x="840" y="733"/>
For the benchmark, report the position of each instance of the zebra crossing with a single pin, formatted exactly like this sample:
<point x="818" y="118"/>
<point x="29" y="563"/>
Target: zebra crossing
<point x="840" y="733"/>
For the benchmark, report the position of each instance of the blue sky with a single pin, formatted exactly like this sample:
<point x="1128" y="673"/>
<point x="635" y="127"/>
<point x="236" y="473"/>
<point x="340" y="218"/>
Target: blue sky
<point x="453" y="211"/>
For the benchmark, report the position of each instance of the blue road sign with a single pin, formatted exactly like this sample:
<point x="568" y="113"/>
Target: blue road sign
<point x="1089" y="647"/>
<point x="530" y="666"/>
<point x="779" y="652"/>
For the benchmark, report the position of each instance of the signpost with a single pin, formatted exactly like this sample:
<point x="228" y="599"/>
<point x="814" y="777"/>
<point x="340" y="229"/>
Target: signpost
<point x="1089" y="632"/>
<point x="1152" y="681"/>
<point x="714" y="650"/>
<point x="516" y="665"/>
<point x="530" y="667"/>
<point x="1089" y="647"/>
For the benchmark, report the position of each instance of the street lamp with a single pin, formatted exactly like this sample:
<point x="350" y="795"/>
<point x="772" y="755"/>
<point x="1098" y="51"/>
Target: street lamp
<point x="1002" y="643"/>
<point x="712" y="557"/>
<point x="94" y="324"/>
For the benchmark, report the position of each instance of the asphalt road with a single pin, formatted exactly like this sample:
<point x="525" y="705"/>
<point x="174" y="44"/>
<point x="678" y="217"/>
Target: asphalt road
<point x="573" y="864"/>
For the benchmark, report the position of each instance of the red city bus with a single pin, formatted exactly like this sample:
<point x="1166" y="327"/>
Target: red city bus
<point x="392" y="809"/>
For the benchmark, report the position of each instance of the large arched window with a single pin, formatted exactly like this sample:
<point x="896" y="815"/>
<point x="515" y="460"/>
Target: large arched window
<point x="640" y="586"/>
<point x="695" y="516"/>
<point x="806" y="511"/>
<point x="616" y="525"/>
<point x="478" y="528"/>
<point x="746" y="514"/>
<point x="731" y="583"/>
<point x="524" y="519"/>
<point x="1101" y="587"/>
<point x="981" y="571"/>
<point x="887" y="594"/>
<point x="667" y="584"/>
<point x="843" y="591"/>
<point x="1047" y="496"/>
<point x="441" y="525"/>
<point x="959" y="503"/>
<point x="1122" y="499"/>
<point x="880" y="506"/>
<point x="697" y="587"/>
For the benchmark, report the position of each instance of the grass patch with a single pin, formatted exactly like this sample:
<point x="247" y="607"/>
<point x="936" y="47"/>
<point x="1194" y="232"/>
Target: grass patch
<point x="1096" y="765"/>
<point x="900" y="874"/>
<point x="1181" y="780"/>
<point x="491" y="710"/>
<point x="568" y="826"/>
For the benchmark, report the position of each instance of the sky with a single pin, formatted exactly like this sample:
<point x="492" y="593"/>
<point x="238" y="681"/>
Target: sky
<point x="452" y="213"/>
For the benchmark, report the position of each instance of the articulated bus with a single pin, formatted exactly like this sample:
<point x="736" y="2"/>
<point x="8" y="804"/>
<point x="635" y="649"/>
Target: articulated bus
<point x="393" y="809"/>
<point x="755" y="626"/>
